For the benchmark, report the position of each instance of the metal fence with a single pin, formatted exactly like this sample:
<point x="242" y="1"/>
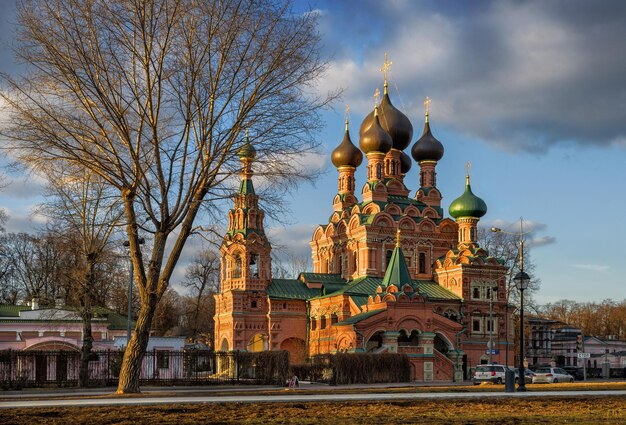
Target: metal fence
<point x="19" y="369"/>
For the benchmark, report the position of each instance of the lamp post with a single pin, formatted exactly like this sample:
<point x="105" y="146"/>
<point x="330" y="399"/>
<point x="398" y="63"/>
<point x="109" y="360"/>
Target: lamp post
<point x="130" y="290"/>
<point x="521" y="279"/>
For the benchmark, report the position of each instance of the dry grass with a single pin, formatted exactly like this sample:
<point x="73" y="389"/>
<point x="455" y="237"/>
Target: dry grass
<point x="550" y="410"/>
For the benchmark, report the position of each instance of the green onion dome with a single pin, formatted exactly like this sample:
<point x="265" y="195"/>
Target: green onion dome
<point x="427" y="148"/>
<point x="394" y="122"/>
<point x="247" y="150"/>
<point x="375" y="138"/>
<point x="468" y="204"/>
<point x="346" y="154"/>
<point x="405" y="163"/>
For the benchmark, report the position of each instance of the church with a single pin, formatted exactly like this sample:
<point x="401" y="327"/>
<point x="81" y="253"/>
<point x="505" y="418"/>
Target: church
<point x="390" y="272"/>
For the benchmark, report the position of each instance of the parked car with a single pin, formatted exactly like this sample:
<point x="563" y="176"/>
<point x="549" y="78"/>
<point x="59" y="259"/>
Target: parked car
<point x="576" y="372"/>
<point x="493" y="373"/>
<point x="528" y="375"/>
<point x="551" y="375"/>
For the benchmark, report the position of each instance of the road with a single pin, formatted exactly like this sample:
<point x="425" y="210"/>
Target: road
<point x="295" y="397"/>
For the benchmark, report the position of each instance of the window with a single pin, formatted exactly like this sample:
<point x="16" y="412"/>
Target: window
<point x="476" y="293"/>
<point x="163" y="359"/>
<point x="333" y="318"/>
<point x="341" y="265"/>
<point x="388" y="257"/>
<point x="422" y="268"/>
<point x="254" y="265"/>
<point x="323" y="322"/>
<point x="236" y="266"/>
<point x="476" y="325"/>
<point x="355" y="259"/>
<point x="284" y="306"/>
<point x="253" y="304"/>
<point x="313" y="323"/>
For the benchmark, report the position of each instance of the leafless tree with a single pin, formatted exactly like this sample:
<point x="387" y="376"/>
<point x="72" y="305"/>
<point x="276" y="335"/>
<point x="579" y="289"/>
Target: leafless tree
<point x="87" y="214"/>
<point x="202" y="282"/>
<point x="153" y="97"/>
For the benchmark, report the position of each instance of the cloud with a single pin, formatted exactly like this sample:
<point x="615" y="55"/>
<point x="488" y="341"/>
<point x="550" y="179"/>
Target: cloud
<point x="530" y="229"/>
<point x="520" y="75"/>
<point x="593" y="267"/>
<point x="292" y="241"/>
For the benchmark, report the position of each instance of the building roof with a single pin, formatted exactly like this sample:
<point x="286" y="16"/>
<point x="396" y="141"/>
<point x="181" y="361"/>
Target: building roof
<point x="7" y="310"/>
<point x="358" y="317"/>
<point x="13" y="313"/>
<point x="291" y="289"/>
<point x="397" y="271"/>
<point x="322" y="278"/>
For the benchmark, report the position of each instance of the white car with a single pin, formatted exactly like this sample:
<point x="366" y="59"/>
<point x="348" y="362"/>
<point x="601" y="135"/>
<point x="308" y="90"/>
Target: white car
<point x="551" y="375"/>
<point x="493" y="373"/>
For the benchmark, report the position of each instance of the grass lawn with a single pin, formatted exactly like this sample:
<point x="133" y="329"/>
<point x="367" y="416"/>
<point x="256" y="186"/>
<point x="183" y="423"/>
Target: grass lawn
<point x="549" y="410"/>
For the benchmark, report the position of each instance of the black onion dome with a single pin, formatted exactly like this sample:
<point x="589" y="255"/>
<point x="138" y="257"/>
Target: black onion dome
<point x="393" y="122"/>
<point x="427" y="148"/>
<point x="405" y="163"/>
<point x="346" y="154"/>
<point x="375" y="138"/>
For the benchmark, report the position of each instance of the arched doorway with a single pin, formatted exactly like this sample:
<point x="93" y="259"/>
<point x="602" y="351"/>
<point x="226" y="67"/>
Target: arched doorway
<point x="375" y="341"/>
<point x="442" y="344"/>
<point x="408" y="340"/>
<point x="256" y="344"/>
<point x="296" y="348"/>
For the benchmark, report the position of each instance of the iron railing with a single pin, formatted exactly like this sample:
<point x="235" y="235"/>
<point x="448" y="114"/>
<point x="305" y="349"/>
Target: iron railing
<point x="20" y="369"/>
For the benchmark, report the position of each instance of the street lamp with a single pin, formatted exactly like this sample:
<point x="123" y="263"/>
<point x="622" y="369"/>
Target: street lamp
<point x="130" y="289"/>
<point x="521" y="280"/>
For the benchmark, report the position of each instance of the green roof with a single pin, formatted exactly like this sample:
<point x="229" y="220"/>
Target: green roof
<point x="433" y="290"/>
<point x="12" y="310"/>
<point x="322" y="278"/>
<point x="246" y="187"/>
<point x="358" y="317"/>
<point x="468" y="204"/>
<point x="397" y="272"/>
<point x="116" y="320"/>
<point x="292" y="289"/>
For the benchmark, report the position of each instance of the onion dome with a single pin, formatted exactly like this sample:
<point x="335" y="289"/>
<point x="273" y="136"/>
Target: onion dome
<point x="427" y="148"/>
<point x="468" y="204"/>
<point x="346" y="154"/>
<point x="405" y="163"/>
<point x="394" y="122"/>
<point x="375" y="138"/>
<point x="247" y="150"/>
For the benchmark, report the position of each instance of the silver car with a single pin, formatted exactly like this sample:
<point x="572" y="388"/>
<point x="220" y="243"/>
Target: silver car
<point x="551" y="375"/>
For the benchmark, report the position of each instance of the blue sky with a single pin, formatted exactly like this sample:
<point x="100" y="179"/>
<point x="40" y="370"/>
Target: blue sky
<point x="533" y="93"/>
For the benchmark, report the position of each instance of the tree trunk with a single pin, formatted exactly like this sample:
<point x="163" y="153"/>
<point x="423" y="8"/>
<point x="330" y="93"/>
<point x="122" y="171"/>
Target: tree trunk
<point x="136" y="348"/>
<point x="87" y="315"/>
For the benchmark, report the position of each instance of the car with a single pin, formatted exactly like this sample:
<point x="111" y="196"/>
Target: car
<point x="576" y="372"/>
<point x="528" y="375"/>
<point x="551" y="375"/>
<point x="493" y="373"/>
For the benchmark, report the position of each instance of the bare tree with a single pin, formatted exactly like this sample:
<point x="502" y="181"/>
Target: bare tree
<point x="505" y="246"/>
<point x="202" y="281"/>
<point x="81" y="205"/>
<point x="153" y="97"/>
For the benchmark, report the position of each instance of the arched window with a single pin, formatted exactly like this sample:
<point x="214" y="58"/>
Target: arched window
<point x="476" y="292"/>
<point x="313" y="323"/>
<point x="254" y="265"/>
<point x="379" y="171"/>
<point x="236" y="266"/>
<point x="422" y="268"/>
<point x="355" y="259"/>
<point x="341" y="265"/>
<point x="253" y="304"/>
<point x="323" y="322"/>
<point x="333" y="318"/>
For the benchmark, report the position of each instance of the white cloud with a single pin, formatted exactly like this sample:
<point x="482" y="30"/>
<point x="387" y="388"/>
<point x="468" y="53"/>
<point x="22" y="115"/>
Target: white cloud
<point x="593" y="267"/>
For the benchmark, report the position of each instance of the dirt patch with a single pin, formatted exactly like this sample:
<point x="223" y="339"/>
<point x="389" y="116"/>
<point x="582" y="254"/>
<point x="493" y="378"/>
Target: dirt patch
<point x="549" y="410"/>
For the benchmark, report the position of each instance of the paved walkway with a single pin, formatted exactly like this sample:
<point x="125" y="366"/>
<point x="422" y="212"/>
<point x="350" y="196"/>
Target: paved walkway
<point x="295" y="397"/>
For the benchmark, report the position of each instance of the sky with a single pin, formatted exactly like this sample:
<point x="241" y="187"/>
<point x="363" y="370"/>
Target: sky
<point x="532" y="93"/>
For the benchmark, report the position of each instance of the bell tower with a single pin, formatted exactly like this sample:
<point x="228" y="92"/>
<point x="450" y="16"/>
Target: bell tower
<point x="241" y="306"/>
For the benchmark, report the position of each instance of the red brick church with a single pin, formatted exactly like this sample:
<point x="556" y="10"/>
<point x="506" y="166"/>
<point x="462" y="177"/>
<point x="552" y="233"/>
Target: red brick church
<point x="390" y="272"/>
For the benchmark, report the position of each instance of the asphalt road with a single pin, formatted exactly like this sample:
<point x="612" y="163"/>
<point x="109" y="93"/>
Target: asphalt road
<point x="118" y="401"/>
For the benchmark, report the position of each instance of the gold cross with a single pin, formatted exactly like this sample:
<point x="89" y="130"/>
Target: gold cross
<point x="427" y="104"/>
<point x="467" y="167"/>
<point x="347" y="115"/>
<point x="376" y="96"/>
<point x="246" y="133"/>
<point x="386" y="66"/>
